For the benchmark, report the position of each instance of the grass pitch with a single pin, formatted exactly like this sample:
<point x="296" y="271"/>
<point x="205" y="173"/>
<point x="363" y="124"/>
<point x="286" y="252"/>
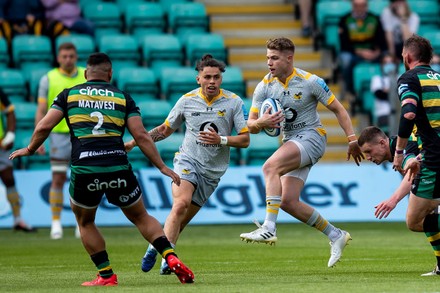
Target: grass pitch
<point x="382" y="257"/>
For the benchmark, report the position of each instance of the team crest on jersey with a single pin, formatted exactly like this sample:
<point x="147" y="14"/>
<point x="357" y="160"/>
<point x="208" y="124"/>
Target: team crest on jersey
<point x="221" y="113"/>
<point x="186" y="171"/>
<point x="297" y="96"/>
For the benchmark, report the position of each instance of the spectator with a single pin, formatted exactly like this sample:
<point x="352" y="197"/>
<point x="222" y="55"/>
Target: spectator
<point x="20" y="17"/>
<point x="307" y="16"/>
<point x="382" y="88"/>
<point x="64" y="17"/>
<point x="399" y="23"/>
<point x="362" y="39"/>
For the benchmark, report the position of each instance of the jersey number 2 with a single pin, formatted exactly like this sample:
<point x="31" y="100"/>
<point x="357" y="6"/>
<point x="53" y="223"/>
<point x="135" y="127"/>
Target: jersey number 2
<point x="96" y="130"/>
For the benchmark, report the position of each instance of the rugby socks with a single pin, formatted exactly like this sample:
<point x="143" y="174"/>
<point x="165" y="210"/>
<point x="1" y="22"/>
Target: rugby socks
<point x="432" y="231"/>
<point x="318" y="222"/>
<point x="434" y="240"/>
<point x="102" y="263"/>
<point x="14" y="201"/>
<point x="56" y="203"/>
<point x="164" y="247"/>
<point x="273" y="203"/>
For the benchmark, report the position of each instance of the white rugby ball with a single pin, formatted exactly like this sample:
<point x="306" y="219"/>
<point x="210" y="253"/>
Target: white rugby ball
<point x="276" y="106"/>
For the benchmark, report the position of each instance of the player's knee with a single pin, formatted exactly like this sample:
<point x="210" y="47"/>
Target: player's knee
<point x="180" y="207"/>
<point x="414" y="226"/>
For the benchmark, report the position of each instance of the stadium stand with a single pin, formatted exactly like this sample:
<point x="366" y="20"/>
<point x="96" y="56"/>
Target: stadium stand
<point x="30" y="51"/>
<point x="154" y="113"/>
<point x="163" y="50"/>
<point x="363" y="72"/>
<point x="168" y="147"/>
<point x="122" y="49"/>
<point x="85" y="45"/>
<point x="14" y="85"/>
<point x="261" y="147"/>
<point x="197" y="45"/>
<point x="233" y="81"/>
<point x="106" y="17"/>
<point x="188" y="18"/>
<point x="4" y="55"/>
<point x="140" y="82"/>
<point x="176" y="81"/>
<point x="144" y="19"/>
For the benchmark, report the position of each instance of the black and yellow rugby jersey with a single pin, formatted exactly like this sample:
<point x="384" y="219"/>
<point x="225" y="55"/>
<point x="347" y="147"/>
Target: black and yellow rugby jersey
<point x="96" y="113"/>
<point x="422" y="83"/>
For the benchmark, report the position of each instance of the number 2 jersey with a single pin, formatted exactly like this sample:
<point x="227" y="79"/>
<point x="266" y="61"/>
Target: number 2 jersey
<point x="224" y="113"/>
<point x="299" y="96"/>
<point x="96" y="113"/>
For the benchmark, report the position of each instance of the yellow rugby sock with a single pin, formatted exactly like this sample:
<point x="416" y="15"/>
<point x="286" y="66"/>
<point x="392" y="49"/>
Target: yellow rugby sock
<point x="56" y="203"/>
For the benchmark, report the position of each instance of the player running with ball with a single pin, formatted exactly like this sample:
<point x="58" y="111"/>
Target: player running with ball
<point x="286" y="171"/>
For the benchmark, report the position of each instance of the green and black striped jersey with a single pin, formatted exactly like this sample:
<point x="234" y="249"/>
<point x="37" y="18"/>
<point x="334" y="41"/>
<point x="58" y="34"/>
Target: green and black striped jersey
<point x="96" y="113"/>
<point x="422" y="84"/>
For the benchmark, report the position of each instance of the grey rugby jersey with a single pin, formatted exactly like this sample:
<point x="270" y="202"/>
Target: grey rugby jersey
<point x="224" y="114"/>
<point x="299" y="97"/>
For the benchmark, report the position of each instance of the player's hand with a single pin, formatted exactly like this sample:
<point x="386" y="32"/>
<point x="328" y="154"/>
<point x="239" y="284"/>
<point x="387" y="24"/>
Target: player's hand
<point x="209" y="136"/>
<point x="397" y="163"/>
<point x="384" y="208"/>
<point x="355" y="151"/>
<point x="19" y="153"/>
<point x="269" y="120"/>
<point x="170" y="173"/>
<point x="129" y="145"/>
<point x="412" y="167"/>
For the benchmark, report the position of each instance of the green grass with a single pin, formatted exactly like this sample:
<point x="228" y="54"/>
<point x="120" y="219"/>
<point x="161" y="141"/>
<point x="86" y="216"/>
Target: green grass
<point x="382" y="257"/>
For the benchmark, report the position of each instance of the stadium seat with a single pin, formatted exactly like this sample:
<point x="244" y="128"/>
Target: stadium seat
<point x="14" y="85"/>
<point x="188" y="18"/>
<point x="25" y="115"/>
<point x="4" y="56"/>
<point x="168" y="147"/>
<point x="428" y="11"/>
<point x="164" y="50"/>
<point x="136" y="157"/>
<point x="177" y="81"/>
<point x="33" y="80"/>
<point x="144" y="19"/>
<point x="85" y="45"/>
<point x="362" y="74"/>
<point x="434" y="38"/>
<point x="122" y="50"/>
<point x="377" y="6"/>
<point x="166" y="4"/>
<point x="106" y="17"/>
<point x="140" y="82"/>
<point x="328" y="14"/>
<point x="261" y="147"/>
<point x="247" y="104"/>
<point x="122" y="4"/>
<point x="154" y="113"/>
<point x="233" y="81"/>
<point x="31" y="52"/>
<point x="197" y="45"/>
<point x="83" y="3"/>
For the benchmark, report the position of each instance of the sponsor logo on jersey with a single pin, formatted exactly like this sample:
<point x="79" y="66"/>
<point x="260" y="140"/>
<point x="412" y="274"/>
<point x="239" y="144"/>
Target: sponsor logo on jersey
<point x="195" y="114"/>
<point x="403" y="88"/>
<point x="102" y="185"/>
<point x="322" y="83"/>
<point x="433" y="75"/>
<point x="89" y="91"/>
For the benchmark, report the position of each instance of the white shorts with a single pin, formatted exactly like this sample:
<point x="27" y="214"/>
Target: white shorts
<point x="60" y="152"/>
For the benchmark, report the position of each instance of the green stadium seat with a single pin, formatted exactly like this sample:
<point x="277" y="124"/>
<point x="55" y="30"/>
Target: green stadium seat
<point x="106" y="17"/>
<point x="31" y="52"/>
<point x="13" y="84"/>
<point x="188" y="18"/>
<point x="136" y="157"/>
<point x="25" y="115"/>
<point x="4" y="55"/>
<point x="168" y="147"/>
<point x="177" y="81"/>
<point x="84" y="3"/>
<point x="33" y="79"/>
<point x="154" y="113"/>
<point x="166" y="4"/>
<point x="123" y="4"/>
<point x="362" y="74"/>
<point x="144" y="19"/>
<point x="434" y="38"/>
<point x="163" y="50"/>
<point x="428" y="11"/>
<point x="122" y="50"/>
<point x="328" y="14"/>
<point x="233" y="81"/>
<point x="377" y="6"/>
<point x="140" y="82"/>
<point x="260" y="149"/>
<point x="197" y="45"/>
<point x="85" y="45"/>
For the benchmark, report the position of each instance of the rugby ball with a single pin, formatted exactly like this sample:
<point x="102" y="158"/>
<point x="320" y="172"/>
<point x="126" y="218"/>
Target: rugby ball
<point x="276" y="106"/>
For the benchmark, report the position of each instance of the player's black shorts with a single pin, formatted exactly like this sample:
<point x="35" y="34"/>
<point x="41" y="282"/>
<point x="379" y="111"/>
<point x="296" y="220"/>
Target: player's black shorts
<point x="120" y="187"/>
<point x="426" y="184"/>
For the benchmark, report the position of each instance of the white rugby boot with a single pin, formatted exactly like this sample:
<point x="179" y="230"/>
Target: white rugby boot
<point x="260" y="235"/>
<point x="337" y="247"/>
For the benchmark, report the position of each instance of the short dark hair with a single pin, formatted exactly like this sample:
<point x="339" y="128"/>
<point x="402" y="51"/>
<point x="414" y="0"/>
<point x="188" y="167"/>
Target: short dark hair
<point x="209" y="61"/>
<point x="66" y="46"/>
<point x="281" y="44"/>
<point x="370" y="134"/>
<point x="98" y="58"/>
<point x="419" y="47"/>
